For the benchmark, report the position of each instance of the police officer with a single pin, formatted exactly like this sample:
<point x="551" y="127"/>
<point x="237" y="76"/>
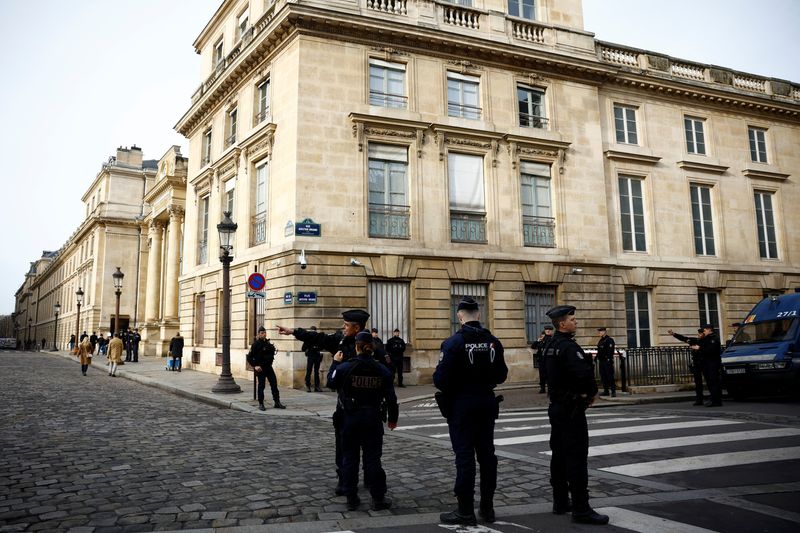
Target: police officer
<point x="572" y="389"/>
<point x="709" y="352"/>
<point x="605" y="359"/>
<point x="355" y="321"/>
<point x="313" y="360"/>
<point x="363" y="384"/>
<point x="261" y="356"/>
<point x="539" y="346"/>
<point x="396" y="347"/>
<point x="470" y="366"/>
<point x="696" y="364"/>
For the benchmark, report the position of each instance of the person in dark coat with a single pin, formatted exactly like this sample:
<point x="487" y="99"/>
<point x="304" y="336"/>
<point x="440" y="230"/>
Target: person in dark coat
<point x="364" y="385"/>
<point x="135" y="340"/>
<point x="538" y="346"/>
<point x="176" y="351"/>
<point x="605" y="360"/>
<point x="261" y="356"/>
<point x="572" y="389"/>
<point x="313" y="360"/>
<point x="127" y="337"/>
<point x="93" y="340"/>
<point x="471" y="365"/>
<point x="396" y="347"/>
<point x="695" y="366"/>
<point x="709" y="351"/>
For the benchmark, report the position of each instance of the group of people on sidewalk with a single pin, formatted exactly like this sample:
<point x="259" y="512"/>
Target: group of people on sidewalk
<point x="113" y="351"/>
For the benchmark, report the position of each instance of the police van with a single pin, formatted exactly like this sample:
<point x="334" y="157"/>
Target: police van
<point x="764" y="355"/>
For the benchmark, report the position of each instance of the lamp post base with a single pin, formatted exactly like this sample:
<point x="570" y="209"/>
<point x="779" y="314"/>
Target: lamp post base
<point x="226" y="385"/>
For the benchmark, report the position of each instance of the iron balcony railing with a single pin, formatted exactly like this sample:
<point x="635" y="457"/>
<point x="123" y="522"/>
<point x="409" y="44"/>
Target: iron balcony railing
<point x="467" y="227"/>
<point x="202" y="252"/>
<point x="389" y="221"/>
<point x="539" y="231"/>
<point x="388" y="100"/>
<point x="230" y="141"/>
<point x="206" y="160"/>
<point x="463" y="111"/>
<point x="533" y="121"/>
<point x="258" y="229"/>
<point x="262" y="115"/>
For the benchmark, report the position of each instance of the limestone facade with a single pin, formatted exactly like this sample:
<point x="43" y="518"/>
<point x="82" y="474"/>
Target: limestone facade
<point x="447" y="149"/>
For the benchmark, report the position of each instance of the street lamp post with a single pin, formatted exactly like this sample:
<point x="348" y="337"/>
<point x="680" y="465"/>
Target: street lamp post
<point x="56" y="309"/>
<point x="79" y="301"/>
<point x="118" y="275"/>
<point x="226" y="229"/>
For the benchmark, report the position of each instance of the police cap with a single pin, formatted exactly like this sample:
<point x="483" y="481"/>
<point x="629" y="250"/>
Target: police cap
<point x="548" y="328"/>
<point x="262" y="328"/>
<point x="601" y="329"/>
<point x="708" y="326"/>
<point x="356" y="315"/>
<point x="561" y="310"/>
<point x="468" y="304"/>
<point x="363" y="336"/>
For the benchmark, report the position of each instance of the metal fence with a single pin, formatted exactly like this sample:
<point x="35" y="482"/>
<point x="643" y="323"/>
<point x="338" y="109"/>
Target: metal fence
<point x="660" y="365"/>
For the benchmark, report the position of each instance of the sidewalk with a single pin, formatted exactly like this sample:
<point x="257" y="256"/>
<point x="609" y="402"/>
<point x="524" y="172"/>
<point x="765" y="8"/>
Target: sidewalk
<point x="195" y="385"/>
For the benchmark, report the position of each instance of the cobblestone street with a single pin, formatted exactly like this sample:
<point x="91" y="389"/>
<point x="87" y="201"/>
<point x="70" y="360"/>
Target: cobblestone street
<point x="97" y="453"/>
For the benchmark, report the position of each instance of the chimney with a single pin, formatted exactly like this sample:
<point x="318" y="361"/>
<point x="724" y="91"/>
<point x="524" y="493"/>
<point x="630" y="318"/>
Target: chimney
<point x="130" y="156"/>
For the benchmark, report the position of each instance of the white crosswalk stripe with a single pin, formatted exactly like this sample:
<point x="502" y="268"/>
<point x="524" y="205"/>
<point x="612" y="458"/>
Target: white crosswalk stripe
<point x="644" y="523"/>
<point x="547" y="426"/>
<point x="502" y="421"/>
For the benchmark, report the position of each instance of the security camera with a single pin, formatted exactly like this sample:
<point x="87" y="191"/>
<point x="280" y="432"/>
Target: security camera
<point x="302" y="259"/>
<point x="355" y="262"/>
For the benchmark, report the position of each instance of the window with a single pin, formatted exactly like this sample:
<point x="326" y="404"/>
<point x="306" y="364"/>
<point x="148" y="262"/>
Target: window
<point x="232" y="119"/>
<point x="538" y="224"/>
<point x="242" y="23"/>
<point x="758" y="144"/>
<point x="259" y="222"/>
<point x="522" y="8"/>
<point x="219" y="56"/>
<point x="467" y="206"/>
<point x="207" y="147"/>
<point x="262" y="101"/>
<point x="765" y="224"/>
<point x="538" y="300"/>
<point x="625" y="124"/>
<point x="637" y="317"/>
<point x="202" y="238"/>
<point x="457" y="292"/>
<point x="695" y="136"/>
<point x="228" y="198"/>
<point x="387" y="84"/>
<point x="631" y="205"/>
<point x="388" y="306"/>
<point x="388" y="203"/>
<point x="467" y="3"/>
<point x="462" y="96"/>
<point x="199" y="319"/>
<point x="702" y="220"/>
<point x="531" y="107"/>
<point x="708" y="304"/>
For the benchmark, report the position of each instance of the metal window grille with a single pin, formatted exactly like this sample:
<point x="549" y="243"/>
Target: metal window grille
<point x="388" y="306"/>
<point x="457" y="292"/>
<point x="538" y="300"/>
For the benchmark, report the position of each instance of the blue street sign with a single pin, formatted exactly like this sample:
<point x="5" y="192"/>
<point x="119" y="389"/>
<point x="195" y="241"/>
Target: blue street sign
<point x="306" y="297"/>
<point x="288" y="298"/>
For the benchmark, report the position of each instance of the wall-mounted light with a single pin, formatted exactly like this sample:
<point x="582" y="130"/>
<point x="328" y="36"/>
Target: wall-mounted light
<point x="355" y="262"/>
<point x="577" y="270"/>
<point x="302" y="260"/>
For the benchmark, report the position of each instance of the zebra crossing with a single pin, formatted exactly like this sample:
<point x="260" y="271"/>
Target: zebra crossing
<point x="644" y="444"/>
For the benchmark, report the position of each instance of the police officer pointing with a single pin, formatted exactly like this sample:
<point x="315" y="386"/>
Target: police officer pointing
<point x="572" y="389"/>
<point x="470" y="366"/>
<point x="363" y="385"/>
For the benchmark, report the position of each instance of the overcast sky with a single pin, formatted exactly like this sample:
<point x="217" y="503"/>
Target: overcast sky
<point x="83" y="77"/>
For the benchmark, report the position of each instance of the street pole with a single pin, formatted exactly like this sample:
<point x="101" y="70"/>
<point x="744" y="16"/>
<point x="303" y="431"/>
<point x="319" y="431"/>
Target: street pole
<point x="226" y="384"/>
<point x="30" y="322"/>
<point x="57" y="309"/>
<point x="79" y="300"/>
<point x="118" y="275"/>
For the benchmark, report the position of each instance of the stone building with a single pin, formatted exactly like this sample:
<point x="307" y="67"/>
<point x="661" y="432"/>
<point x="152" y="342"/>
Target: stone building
<point x="414" y="151"/>
<point x="109" y="237"/>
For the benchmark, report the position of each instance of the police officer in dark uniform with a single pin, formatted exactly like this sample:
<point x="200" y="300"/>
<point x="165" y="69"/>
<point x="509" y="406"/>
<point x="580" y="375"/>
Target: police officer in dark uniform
<point x="539" y="346"/>
<point x="471" y="365"/>
<point x="709" y="352"/>
<point x="696" y="365"/>
<point x="364" y="385"/>
<point x="572" y="389"/>
<point x="261" y="356"/>
<point x="605" y="359"/>
<point x="396" y="347"/>
<point x="313" y="360"/>
<point x="355" y="321"/>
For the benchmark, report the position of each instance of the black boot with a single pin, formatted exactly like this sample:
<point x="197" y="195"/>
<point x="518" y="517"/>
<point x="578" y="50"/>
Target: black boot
<point x="261" y="406"/>
<point x="308" y="387"/>
<point x="279" y="405"/>
<point x="379" y="504"/>
<point x="486" y="512"/>
<point x="464" y="515"/>
<point x="590" y="517"/>
<point x="353" y="502"/>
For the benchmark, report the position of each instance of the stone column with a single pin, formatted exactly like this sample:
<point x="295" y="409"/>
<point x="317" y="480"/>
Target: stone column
<point x="173" y="262"/>
<point x="153" y="292"/>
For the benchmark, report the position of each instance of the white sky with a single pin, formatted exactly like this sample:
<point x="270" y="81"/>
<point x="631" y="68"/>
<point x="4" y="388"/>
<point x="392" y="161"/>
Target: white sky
<point x="83" y="77"/>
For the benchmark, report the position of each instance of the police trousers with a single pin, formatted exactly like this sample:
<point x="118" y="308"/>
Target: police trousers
<point x="471" y="429"/>
<point x="362" y="431"/>
<point x="267" y="373"/>
<point x="711" y="370"/>
<point x="607" y="375"/>
<point x="569" y="443"/>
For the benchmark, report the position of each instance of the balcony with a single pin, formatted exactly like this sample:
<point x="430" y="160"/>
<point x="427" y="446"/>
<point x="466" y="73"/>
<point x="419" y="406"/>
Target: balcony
<point x="230" y="141"/>
<point x="261" y="116"/>
<point x="532" y="121"/>
<point x="394" y="7"/>
<point x="388" y="100"/>
<point x="389" y="221"/>
<point x="206" y="160"/>
<point x="460" y="16"/>
<point x="539" y="231"/>
<point x="467" y="227"/>
<point x="258" y="229"/>
<point x="463" y="111"/>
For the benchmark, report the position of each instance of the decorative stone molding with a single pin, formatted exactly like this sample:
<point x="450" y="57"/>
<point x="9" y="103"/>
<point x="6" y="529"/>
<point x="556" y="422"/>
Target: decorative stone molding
<point x="549" y="151"/>
<point x="465" y="66"/>
<point x="369" y="126"/>
<point x="637" y="156"/>
<point x="699" y="166"/>
<point x="176" y="211"/>
<point x="764" y="173"/>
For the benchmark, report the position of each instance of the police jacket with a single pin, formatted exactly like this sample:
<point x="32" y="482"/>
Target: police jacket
<point x="570" y="372"/>
<point x="311" y="350"/>
<point x="471" y="361"/>
<point x="363" y="383"/>
<point x="691" y="341"/>
<point x="605" y="349"/>
<point x="396" y="346"/>
<point x="540" y="346"/>
<point x="262" y="353"/>
<point x="710" y="349"/>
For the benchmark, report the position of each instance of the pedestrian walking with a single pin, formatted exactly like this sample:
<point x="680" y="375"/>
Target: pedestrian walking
<point x="135" y="340"/>
<point x="396" y="347"/>
<point x="364" y="385"/>
<point x="470" y="366"/>
<point x="313" y="360"/>
<point x="261" y="356"/>
<point x="85" y="355"/>
<point x="114" y="356"/>
<point x="102" y="342"/>
<point x="93" y="340"/>
<point x="176" y="351"/>
<point x="538" y="346"/>
<point x="354" y="321"/>
<point x="72" y="343"/>
<point x="83" y="336"/>
<point x="605" y="359"/>
<point x="572" y="389"/>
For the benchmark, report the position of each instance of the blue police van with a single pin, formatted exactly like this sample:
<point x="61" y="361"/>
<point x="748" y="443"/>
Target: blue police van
<point x="764" y="355"/>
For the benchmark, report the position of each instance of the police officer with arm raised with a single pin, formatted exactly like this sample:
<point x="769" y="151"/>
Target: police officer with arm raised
<point x="572" y="390"/>
<point x="471" y="365"/>
<point x="261" y="356"/>
<point x="696" y="364"/>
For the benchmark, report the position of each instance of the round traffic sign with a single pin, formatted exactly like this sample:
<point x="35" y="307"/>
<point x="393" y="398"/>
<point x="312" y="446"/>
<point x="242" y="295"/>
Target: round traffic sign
<point x="256" y="281"/>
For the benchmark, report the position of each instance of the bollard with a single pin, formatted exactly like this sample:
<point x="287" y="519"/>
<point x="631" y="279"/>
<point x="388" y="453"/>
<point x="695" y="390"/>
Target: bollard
<point x="623" y="374"/>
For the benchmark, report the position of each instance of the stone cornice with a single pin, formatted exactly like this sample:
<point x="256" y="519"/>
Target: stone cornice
<point x="764" y="173"/>
<point x="699" y="166"/>
<point x="632" y="156"/>
<point x="165" y="184"/>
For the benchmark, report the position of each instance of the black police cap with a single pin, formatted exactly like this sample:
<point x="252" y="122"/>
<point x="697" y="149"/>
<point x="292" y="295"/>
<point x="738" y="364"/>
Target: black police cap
<point x="363" y="336"/>
<point x="356" y="315"/>
<point x="548" y="327"/>
<point x="708" y="326"/>
<point x="601" y="329"/>
<point x="468" y="304"/>
<point x="561" y="310"/>
<point x="262" y="328"/>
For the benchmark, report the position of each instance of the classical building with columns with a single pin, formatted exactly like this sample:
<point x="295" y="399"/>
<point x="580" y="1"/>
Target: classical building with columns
<point x="415" y="151"/>
<point x="166" y="199"/>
